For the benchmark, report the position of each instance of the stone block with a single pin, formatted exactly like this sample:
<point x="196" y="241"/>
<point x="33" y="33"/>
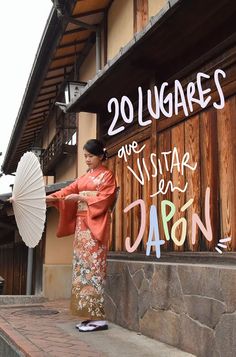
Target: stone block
<point x="226" y="335"/>
<point x="200" y="280"/>
<point x="127" y="314"/>
<point x="206" y="310"/>
<point x="190" y="279"/>
<point x="112" y="287"/>
<point x="144" y="298"/>
<point x="114" y="267"/>
<point x="196" y="338"/>
<point x="135" y="266"/>
<point x="149" y="270"/>
<point x="138" y="278"/>
<point x="166" y="291"/>
<point x="228" y="287"/>
<point x="161" y="325"/>
<point x="110" y="308"/>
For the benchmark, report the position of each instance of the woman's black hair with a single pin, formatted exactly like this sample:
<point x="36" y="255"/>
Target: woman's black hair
<point x="96" y="147"/>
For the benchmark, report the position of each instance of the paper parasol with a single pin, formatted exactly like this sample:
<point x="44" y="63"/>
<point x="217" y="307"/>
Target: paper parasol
<point x="28" y="199"/>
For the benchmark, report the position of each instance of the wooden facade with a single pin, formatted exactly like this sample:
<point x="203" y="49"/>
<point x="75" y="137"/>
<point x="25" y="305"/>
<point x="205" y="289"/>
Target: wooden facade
<point x="209" y="136"/>
<point x="13" y="267"/>
<point x="14" y="255"/>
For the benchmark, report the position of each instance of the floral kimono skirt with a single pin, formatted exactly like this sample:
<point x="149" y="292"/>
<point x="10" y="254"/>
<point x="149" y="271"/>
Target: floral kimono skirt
<point x="89" y="272"/>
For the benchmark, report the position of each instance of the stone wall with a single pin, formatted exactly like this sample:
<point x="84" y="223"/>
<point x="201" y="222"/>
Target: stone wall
<point x="190" y="306"/>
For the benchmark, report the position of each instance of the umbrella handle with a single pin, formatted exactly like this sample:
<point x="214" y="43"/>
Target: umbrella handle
<point x="54" y="199"/>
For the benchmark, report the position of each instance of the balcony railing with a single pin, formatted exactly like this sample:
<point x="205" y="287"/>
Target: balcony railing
<point x="62" y="145"/>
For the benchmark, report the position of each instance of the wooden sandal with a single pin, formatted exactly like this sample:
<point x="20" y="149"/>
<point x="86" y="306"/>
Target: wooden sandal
<point x="83" y="323"/>
<point x="92" y="326"/>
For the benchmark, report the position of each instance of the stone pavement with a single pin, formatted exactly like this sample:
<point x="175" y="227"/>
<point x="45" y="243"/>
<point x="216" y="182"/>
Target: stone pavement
<point x="47" y="329"/>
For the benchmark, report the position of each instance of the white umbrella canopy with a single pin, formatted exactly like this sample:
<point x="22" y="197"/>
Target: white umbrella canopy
<point x="29" y="199"/>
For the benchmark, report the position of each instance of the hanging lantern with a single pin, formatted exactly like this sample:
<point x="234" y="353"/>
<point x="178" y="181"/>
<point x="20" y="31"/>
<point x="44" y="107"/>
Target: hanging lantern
<point x="73" y="90"/>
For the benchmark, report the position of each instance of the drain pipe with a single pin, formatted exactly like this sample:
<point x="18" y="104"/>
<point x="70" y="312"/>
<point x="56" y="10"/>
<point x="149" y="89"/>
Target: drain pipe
<point x="98" y="49"/>
<point x="29" y="271"/>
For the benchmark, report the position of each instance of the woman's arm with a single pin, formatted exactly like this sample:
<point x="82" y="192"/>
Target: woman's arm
<point x="69" y="193"/>
<point x="73" y="197"/>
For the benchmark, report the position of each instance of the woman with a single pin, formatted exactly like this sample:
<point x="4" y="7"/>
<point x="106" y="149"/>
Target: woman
<point x="84" y="207"/>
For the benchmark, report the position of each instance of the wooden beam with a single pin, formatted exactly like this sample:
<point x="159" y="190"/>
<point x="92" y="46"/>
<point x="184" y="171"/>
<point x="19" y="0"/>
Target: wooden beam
<point x="66" y="56"/>
<point x="41" y="106"/>
<point x="41" y="111"/>
<point x="37" y="116"/>
<point x="50" y="85"/>
<point x="140" y="14"/>
<point x="47" y="93"/>
<point x="34" y="120"/>
<point x="72" y="43"/>
<point x="91" y="12"/>
<point x="59" y="67"/>
<point x="31" y="127"/>
<point x="44" y="100"/>
<point x="70" y="32"/>
<point x="54" y="77"/>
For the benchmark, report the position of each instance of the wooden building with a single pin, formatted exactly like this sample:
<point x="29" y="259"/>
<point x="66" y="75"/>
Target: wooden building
<point x="141" y="61"/>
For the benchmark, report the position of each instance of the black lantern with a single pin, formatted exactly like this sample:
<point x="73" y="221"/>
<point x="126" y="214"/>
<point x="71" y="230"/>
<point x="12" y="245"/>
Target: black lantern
<point x="73" y="90"/>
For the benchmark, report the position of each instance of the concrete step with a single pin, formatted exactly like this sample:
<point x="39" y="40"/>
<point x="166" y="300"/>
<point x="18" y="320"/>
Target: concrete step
<point x="9" y="300"/>
<point x="118" y="341"/>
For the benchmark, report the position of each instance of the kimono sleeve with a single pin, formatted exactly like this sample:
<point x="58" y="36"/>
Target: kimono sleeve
<point x="99" y="204"/>
<point x="67" y="210"/>
<point x="98" y="215"/>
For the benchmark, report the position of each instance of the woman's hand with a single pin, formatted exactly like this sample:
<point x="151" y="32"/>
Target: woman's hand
<point x="73" y="197"/>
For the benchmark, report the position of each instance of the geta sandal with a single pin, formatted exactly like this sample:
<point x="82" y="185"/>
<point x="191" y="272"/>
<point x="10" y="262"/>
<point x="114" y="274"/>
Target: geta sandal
<point x="92" y="326"/>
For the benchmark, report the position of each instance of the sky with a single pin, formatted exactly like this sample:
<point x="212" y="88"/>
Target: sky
<point x="21" y="28"/>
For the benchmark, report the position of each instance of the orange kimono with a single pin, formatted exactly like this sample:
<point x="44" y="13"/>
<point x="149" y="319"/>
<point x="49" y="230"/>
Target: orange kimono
<point x="91" y="223"/>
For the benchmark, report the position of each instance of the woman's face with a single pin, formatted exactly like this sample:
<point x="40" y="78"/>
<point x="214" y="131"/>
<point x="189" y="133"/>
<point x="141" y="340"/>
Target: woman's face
<point x="92" y="161"/>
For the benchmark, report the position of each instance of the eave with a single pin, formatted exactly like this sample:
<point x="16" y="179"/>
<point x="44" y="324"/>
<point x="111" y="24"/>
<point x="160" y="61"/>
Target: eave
<point x="175" y="42"/>
<point x="53" y="65"/>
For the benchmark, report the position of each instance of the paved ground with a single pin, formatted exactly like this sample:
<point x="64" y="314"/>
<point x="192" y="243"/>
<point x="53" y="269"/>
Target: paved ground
<point x="47" y="329"/>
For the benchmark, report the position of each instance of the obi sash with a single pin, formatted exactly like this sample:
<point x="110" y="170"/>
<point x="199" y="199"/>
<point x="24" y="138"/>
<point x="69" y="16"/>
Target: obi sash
<point x="82" y="205"/>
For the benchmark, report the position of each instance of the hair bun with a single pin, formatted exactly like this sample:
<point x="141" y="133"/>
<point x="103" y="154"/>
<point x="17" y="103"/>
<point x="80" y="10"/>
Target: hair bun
<point x="96" y="147"/>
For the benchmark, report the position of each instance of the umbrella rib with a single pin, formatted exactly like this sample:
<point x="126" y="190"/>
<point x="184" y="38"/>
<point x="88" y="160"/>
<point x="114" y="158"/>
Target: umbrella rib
<point x="29" y="211"/>
<point x="30" y="190"/>
<point x="24" y="230"/>
<point x="41" y="205"/>
<point x="23" y="172"/>
<point x="29" y="184"/>
<point x="22" y="198"/>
